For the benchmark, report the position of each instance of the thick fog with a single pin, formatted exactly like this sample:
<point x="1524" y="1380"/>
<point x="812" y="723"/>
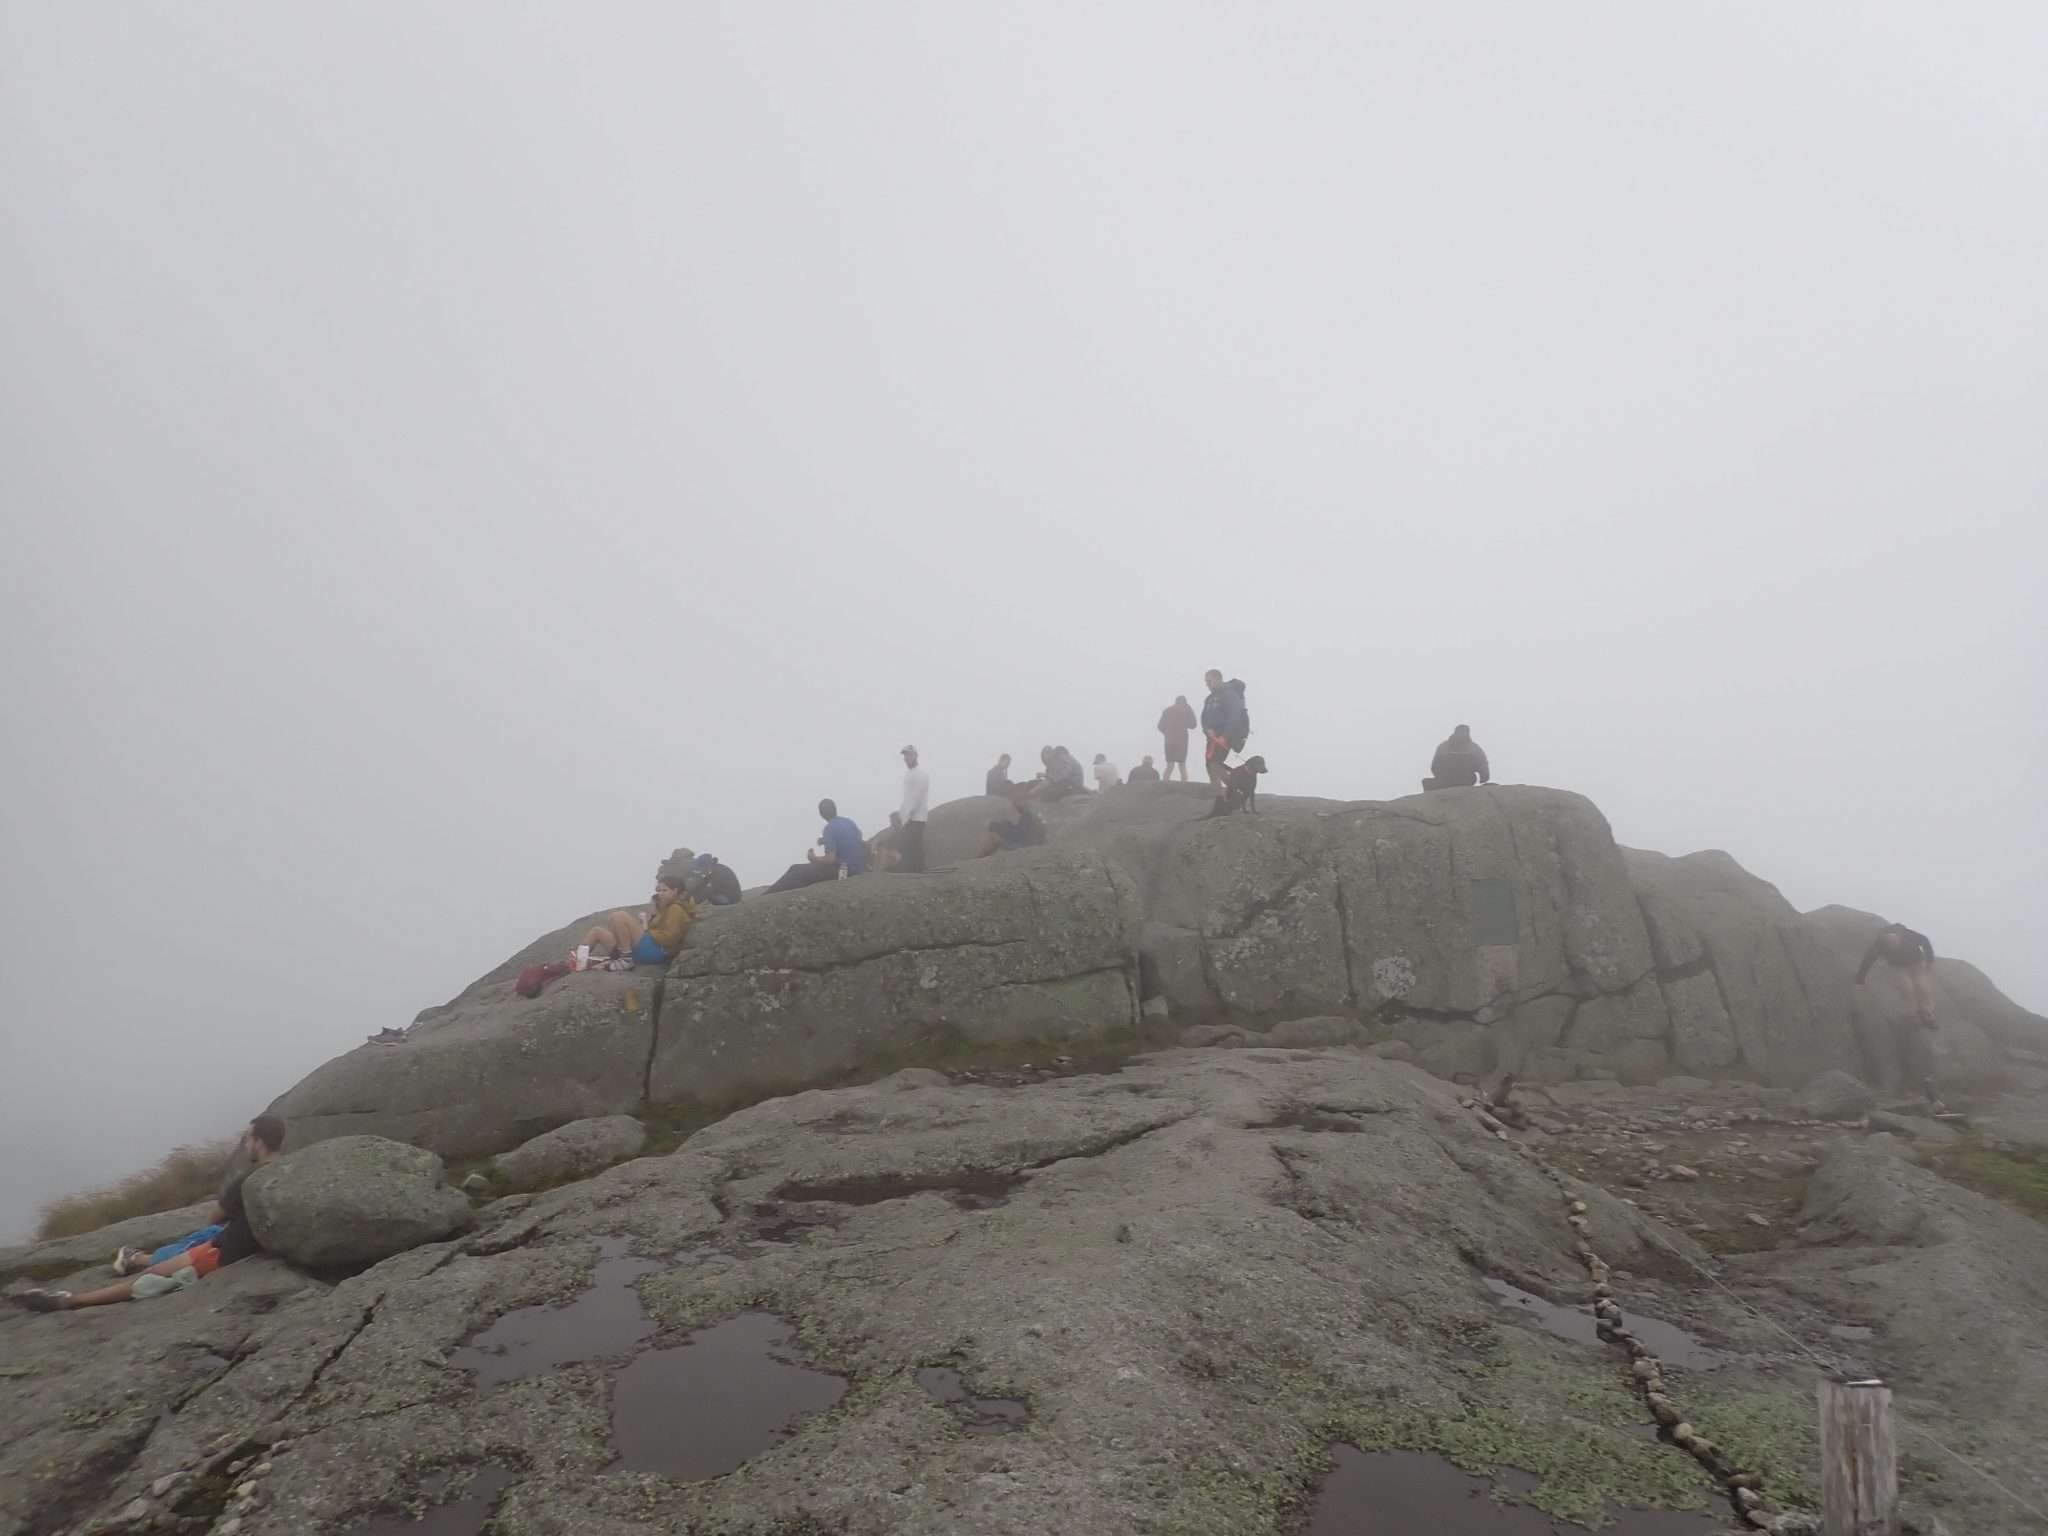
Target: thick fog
<point x="452" y="455"/>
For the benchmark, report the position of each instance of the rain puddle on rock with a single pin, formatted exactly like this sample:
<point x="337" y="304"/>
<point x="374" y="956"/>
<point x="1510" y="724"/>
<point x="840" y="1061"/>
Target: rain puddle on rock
<point x="1408" y="1493"/>
<point x="705" y="1407"/>
<point x="604" y="1320"/>
<point x="978" y="1415"/>
<point x="464" y="1517"/>
<point x="972" y="1189"/>
<point x="1674" y="1346"/>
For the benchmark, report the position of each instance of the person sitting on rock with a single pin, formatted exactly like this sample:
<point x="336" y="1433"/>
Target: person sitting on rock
<point x="622" y="941"/>
<point x="1063" y="775"/>
<point x="998" y="780"/>
<point x="236" y="1240"/>
<point x="1912" y="956"/>
<point x="712" y="883"/>
<point x="1027" y="830"/>
<point x="1107" y="776"/>
<point x="840" y="848"/>
<point x="1145" y="773"/>
<point x="1460" y="762"/>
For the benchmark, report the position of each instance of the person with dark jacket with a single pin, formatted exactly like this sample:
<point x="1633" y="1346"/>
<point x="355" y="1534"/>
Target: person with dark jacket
<point x="1460" y="762"/>
<point x="1175" y="721"/>
<point x="1910" y="954"/>
<point x="998" y="780"/>
<point x="1026" y="830"/>
<point x="1226" y="723"/>
<point x="1145" y="773"/>
<point x="235" y="1241"/>
<point x="713" y="883"/>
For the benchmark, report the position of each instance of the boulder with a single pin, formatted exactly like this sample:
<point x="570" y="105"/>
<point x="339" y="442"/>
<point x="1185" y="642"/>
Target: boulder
<point x="1328" y="1029"/>
<point x="1835" y="1095"/>
<point x="574" y="1151"/>
<point x="491" y="1068"/>
<point x="351" y="1201"/>
<point x="801" y="989"/>
<point x="1933" y="1132"/>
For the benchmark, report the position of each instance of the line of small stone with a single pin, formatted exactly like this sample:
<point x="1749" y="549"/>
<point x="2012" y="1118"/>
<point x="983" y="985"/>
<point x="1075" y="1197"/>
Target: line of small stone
<point x="1745" y="1489"/>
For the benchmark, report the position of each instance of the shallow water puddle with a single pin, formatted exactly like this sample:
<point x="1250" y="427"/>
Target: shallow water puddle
<point x="463" y="1517"/>
<point x="978" y="1415"/>
<point x="1409" y="1493"/>
<point x="1672" y="1345"/>
<point x="604" y="1320"/>
<point x="703" y="1408"/>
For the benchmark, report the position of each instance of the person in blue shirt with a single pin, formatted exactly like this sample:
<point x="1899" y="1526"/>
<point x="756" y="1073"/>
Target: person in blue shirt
<point x="841" y="848"/>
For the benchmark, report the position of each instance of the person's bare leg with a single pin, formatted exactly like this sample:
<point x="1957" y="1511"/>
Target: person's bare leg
<point x="615" y="936"/>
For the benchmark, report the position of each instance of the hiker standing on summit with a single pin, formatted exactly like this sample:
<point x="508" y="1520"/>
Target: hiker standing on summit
<point x="1226" y="723"/>
<point x="917" y="801"/>
<point x="1175" y="721"/>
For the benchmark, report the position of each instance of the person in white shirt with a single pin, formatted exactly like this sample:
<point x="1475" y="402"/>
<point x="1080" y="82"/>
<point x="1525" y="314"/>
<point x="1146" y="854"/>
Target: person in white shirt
<point x="917" y="800"/>
<point x="1106" y="774"/>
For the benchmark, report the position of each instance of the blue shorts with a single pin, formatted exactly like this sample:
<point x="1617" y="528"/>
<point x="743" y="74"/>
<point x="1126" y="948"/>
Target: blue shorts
<point x="647" y="952"/>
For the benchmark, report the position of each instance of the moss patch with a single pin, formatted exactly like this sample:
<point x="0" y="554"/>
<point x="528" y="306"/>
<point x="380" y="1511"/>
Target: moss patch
<point x="2019" y="1180"/>
<point x="1774" y="1434"/>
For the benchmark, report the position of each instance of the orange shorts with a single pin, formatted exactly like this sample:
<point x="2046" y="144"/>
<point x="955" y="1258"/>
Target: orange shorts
<point x="205" y="1259"/>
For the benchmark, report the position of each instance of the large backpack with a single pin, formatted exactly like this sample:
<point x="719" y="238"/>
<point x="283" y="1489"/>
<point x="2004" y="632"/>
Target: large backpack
<point x="1240" y="726"/>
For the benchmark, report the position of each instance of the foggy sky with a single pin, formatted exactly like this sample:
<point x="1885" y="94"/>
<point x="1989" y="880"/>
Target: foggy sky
<point x="451" y="455"/>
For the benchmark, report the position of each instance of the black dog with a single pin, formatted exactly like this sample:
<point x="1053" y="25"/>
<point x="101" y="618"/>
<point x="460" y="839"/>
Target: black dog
<point x="1240" y="789"/>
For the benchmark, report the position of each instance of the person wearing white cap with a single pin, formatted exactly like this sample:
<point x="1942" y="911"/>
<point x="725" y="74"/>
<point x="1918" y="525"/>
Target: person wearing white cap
<point x="917" y="800"/>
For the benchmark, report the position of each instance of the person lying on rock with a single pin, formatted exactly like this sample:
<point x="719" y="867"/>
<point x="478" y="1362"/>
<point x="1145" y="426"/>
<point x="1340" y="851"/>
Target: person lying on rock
<point x="622" y="941"/>
<point x="1025" y="831"/>
<point x="236" y="1241"/>
<point x="1910" y="954"/>
<point x="839" y="849"/>
<point x="1460" y="762"/>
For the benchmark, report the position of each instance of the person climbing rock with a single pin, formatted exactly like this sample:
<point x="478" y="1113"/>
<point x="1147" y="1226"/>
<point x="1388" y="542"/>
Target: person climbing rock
<point x="235" y="1241"/>
<point x="1460" y="762"/>
<point x="1175" y="722"/>
<point x="1912" y="956"/>
<point x="1226" y="723"/>
<point x="839" y="848"/>
<point x="917" y="800"/>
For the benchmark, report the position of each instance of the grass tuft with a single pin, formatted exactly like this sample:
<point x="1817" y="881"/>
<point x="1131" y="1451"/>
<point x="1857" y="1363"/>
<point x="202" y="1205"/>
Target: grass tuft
<point x="183" y="1176"/>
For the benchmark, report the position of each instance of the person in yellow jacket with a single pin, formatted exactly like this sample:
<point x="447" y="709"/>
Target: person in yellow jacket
<point x="623" y="937"/>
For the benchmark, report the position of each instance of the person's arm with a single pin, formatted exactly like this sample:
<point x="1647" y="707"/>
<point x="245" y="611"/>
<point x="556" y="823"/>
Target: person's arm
<point x="1870" y="958"/>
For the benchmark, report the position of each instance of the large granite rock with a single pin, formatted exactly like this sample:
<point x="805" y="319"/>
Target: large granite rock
<point x="352" y="1201"/>
<point x="575" y="1151"/>
<point x="53" y="1257"/>
<point x="491" y="1069"/>
<point x="803" y="988"/>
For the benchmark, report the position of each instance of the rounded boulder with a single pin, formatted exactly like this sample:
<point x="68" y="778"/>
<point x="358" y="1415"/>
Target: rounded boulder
<point x="351" y="1201"/>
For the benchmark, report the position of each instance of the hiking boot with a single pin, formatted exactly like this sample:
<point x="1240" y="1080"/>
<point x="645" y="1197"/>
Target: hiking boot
<point x="42" y="1301"/>
<point x="128" y="1261"/>
<point x="618" y="963"/>
<point x="388" y="1037"/>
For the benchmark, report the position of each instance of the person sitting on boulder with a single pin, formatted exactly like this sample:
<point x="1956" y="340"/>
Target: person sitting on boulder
<point x="840" y="848"/>
<point x="236" y="1240"/>
<point x="1460" y="762"/>
<point x="884" y="848"/>
<point x="998" y="780"/>
<point x="1107" y="775"/>
<point x="1912" y="955"/>
<point x="623" y="941"/>
<point x="1063" y="775"/>
<point x="712" y="883"/>
<point x="1027" y="830"/>
<point x="1145" y="773"/>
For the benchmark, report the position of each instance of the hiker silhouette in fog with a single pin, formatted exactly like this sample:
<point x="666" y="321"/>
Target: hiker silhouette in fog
<point x="1063" y="774"/>
<point x="1145" y="773"/>
<point x="1226" y="723"/>
<point x="1175" y="721"/>
<point x="1106" y="774"/>
<point x="998" y="780"/>
<point x="1460" y="762"/>
<point x="1025" y="830"/>
<point x="840" y="848"/>
<point x="917" y="801"/>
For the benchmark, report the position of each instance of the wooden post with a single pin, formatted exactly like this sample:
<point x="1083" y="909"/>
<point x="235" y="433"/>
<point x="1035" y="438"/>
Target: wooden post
<point x="1859" y="1469"/>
